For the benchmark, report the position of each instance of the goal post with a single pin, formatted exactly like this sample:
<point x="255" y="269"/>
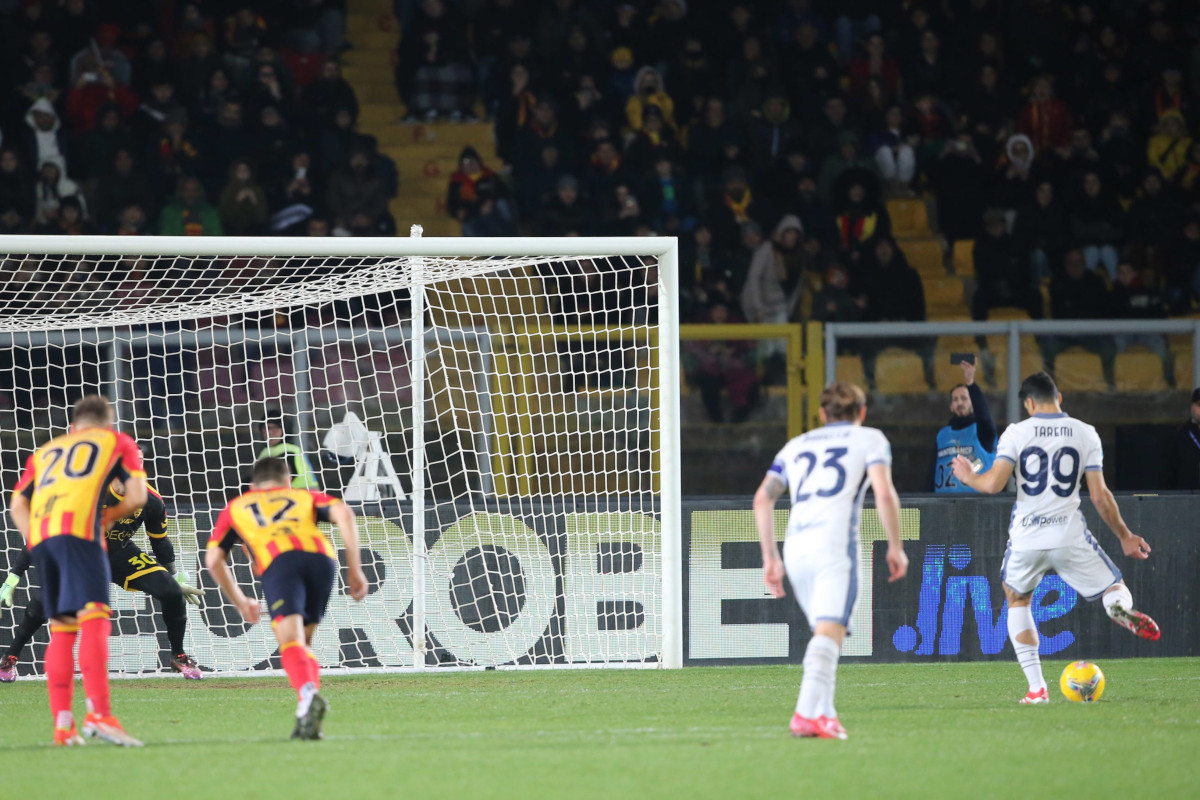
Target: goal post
<point x="502" y="414"/>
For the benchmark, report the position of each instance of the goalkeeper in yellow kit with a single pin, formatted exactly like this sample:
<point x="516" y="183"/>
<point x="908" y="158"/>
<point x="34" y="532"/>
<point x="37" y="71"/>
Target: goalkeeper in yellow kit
<point x="132" y="570"/>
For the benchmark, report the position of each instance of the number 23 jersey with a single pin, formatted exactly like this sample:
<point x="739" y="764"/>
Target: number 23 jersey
<point x="1050" y="454"/>
<point x="825" y="471"/>
<point x="274" y="521"/>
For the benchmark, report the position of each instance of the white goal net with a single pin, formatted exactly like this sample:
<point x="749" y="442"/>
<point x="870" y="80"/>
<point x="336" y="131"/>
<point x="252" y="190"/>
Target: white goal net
<point x="501" y="414"/>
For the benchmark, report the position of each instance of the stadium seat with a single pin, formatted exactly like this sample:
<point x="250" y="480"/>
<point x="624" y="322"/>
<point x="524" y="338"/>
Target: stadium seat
<point x="333" y="376"/>
<point x="271" y="379"/>
<point x="1139" y="372"/>
<point x="850" y="369"/>
<point x="964" y="261"/>
<point x="1184" y="378"/>
<point x="221" y="384"/>
<point x="957" y="344"/>
<point x="1006" y="313"/>
<point x="943" y="293"/>
<point x="910" y="217"/>
<point x="948" y="375"/>
<point x="899" y="372"/>
<point x="1031" y="362"/>
<point x="488" y="301"/>
<point x="924" y="255"/>
<point x="1079" y="371"/>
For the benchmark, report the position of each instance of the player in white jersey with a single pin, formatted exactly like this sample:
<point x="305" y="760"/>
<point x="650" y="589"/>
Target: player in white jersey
<point x="825" y="472"/>
<point x="1052" y="452"/>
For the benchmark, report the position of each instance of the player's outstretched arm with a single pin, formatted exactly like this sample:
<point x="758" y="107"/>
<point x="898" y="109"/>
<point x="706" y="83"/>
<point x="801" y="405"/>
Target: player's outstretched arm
<point x="17" y="567"/>
<point x="341" y="516"/>
<point x="769" y="491"/>
<point x="1133" y="545"/>
<point x="218" y="567"/>
<point x="887" y="504"/>
<point x="990" y="482"/>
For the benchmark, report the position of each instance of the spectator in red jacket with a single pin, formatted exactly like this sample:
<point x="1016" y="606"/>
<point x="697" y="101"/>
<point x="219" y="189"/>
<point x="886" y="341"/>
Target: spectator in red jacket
<point x="471" y="186"/>
<point x="1045" y="119"/>
<point x="93" y="90"/>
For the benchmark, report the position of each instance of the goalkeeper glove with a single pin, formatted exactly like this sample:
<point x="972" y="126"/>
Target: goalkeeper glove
<point x="190" y="593"/>
<point x="6" y="591"/>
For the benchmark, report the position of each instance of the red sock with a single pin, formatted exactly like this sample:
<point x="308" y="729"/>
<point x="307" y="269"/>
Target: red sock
<point x="314" y="668"/>
<point x="60" y="672"/>
<point x="296" y="664"/>
<point x="95" y="626"/>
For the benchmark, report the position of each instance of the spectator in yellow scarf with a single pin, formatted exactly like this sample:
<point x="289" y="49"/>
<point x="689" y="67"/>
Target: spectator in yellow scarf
<point x="1168" y="149"/>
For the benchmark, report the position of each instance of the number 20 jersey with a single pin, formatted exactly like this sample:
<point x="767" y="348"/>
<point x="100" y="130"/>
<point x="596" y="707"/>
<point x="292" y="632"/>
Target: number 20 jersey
<point x="826" y="474"/>
<point x="1050" y="454"/>
<point x="274" y="521"/>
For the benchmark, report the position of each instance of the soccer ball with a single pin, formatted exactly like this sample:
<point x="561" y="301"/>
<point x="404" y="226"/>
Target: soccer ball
<point x="1082" y="682"/>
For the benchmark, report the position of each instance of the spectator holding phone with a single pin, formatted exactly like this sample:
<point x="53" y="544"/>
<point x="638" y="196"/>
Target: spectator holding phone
<point x="971" y="431"/>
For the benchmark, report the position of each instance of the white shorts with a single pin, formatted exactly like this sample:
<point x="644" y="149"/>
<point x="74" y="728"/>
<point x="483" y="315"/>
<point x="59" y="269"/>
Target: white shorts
<point x="1084" y="566"/>
<point x="825" y="584"/>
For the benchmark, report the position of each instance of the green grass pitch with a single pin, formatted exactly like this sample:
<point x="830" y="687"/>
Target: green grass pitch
<point x="922" y="731"/>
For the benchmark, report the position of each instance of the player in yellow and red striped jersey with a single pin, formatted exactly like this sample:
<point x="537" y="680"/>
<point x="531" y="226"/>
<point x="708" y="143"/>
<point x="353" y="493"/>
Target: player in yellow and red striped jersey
<point x="57" y="506"/>
<point x="297" y="565"/>
<point x="132" y="569"/>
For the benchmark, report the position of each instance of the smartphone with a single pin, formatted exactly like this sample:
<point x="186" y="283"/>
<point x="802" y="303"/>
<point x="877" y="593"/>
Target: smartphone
<point x="958" y="358"/>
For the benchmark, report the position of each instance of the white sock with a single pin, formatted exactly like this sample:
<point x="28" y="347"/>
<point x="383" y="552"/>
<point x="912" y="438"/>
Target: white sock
<point x="820" y="675"/>
<point x="1020" y="620"/>
<point x="1117" y="597"/>
<point x="306" y="695"/>
<point x="64" y="719"/>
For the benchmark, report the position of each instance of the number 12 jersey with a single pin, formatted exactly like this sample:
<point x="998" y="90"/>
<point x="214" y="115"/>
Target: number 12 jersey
<point x="1051" y="453"/>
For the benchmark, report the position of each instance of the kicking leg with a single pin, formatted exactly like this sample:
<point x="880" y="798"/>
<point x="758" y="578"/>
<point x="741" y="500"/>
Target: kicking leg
<point x="1023" y="632"/>
<point x="1118" y="604"/>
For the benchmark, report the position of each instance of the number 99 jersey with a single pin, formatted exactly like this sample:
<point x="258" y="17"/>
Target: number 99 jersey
<point x="825" y="471"/>
<point x="1050" y="453"/>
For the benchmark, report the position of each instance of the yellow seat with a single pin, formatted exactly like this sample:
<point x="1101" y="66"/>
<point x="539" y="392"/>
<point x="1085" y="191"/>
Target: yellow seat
<point x="899" y="372"/>
<point x="1139" y="372"/>
<point x="1031" y="362"/>
<point x="957" y="344"/>
<point x="850" y="370"/>
<point x="909" y="216"/>
<point x="948" y="375"/>
<point x="964" y="261"/>
<point x="924" y="254"/>
<point x="1079" y="371"/>
<point x="1184" y="378"/>
<point x="1007" y="313"/>
<point x="944" y="292"/>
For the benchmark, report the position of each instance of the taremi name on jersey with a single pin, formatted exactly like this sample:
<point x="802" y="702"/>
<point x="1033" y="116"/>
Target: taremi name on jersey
<point x="1053" y="454"/>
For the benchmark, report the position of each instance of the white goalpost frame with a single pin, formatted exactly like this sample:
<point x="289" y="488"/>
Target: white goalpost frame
<point x="416" y="249"/>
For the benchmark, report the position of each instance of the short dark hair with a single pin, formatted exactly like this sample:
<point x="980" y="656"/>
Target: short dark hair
<point x="1040" y="388"/>
<point x="842" y="402"/>
<point x="956" y="387"/>
<point x="93" y="409"/>
<point x="270" y="470"/>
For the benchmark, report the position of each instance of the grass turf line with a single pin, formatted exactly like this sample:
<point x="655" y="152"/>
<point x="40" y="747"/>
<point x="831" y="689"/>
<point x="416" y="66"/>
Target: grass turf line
<point x="930" y="730"/>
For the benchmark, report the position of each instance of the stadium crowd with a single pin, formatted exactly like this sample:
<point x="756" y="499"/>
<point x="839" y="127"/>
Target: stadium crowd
<point x="202" y="118"/>
<point x="767" y="135"/>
